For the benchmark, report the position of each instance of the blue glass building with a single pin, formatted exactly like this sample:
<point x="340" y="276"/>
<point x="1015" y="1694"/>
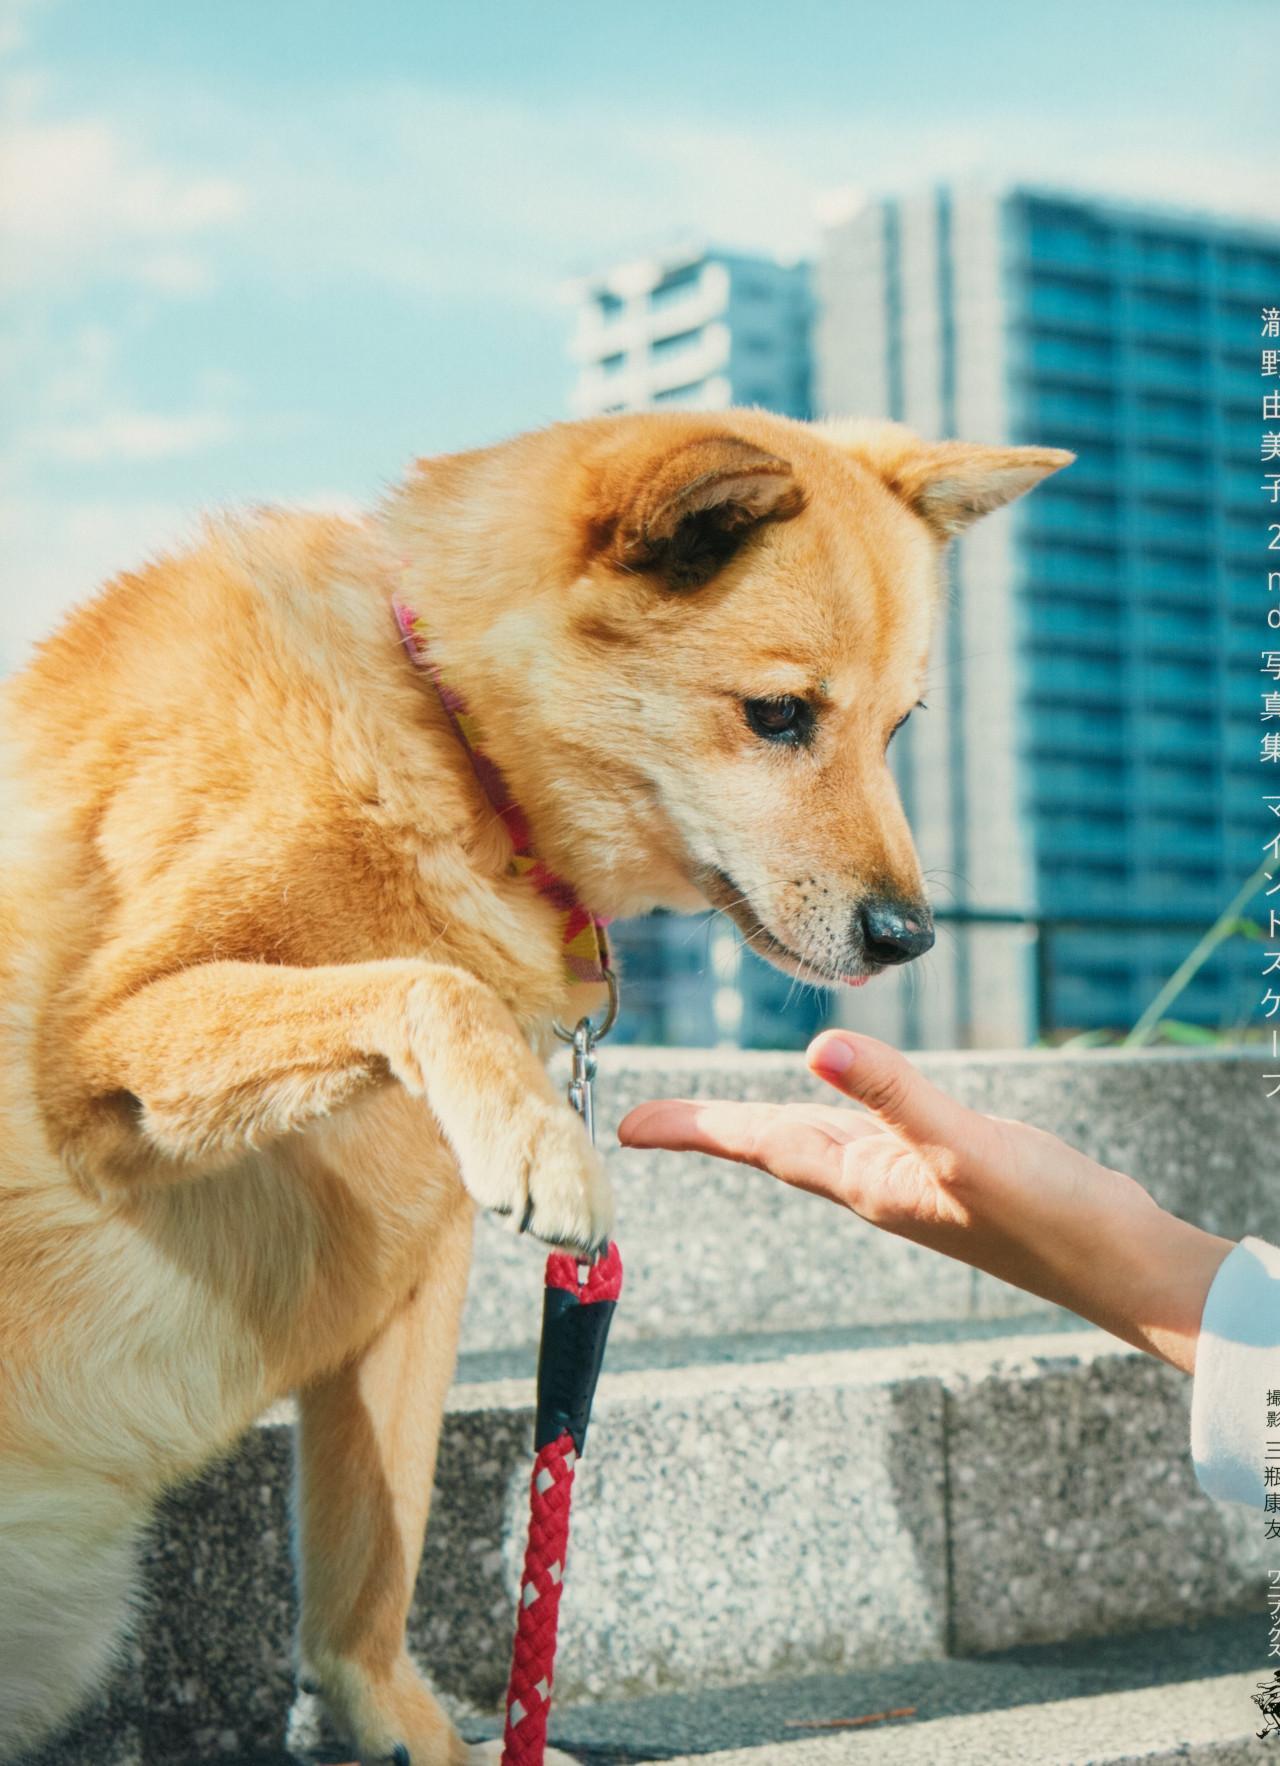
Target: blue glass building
<point x="1091" y="756"/>
<point x="1085" y="787"/>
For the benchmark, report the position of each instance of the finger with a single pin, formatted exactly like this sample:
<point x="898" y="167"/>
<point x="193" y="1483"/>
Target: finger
<point x="683" y="1125"/>
<point x="841" y="1122"/>
<point x="897" y="1093"/>
<point x="769" y="1136"/>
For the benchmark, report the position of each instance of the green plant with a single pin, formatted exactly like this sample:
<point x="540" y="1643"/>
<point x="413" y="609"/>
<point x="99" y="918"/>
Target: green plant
<point x="1153" y="1023"/>
<point x="1229" y="924"/>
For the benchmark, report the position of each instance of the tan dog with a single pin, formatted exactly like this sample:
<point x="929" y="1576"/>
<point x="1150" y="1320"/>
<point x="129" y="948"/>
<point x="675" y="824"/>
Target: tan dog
<point x="272" y="1007"/>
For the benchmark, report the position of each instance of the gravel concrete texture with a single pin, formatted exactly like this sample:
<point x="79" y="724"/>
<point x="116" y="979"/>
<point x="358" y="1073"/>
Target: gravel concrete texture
<point x="713" y="1248"/>
<point x="1073" y="1508"/>
<point x="728" y="1524"/>
<point x="740" y="1523"/>
<point x="1071" y="1676"/>
<point x="788" y="1520"/>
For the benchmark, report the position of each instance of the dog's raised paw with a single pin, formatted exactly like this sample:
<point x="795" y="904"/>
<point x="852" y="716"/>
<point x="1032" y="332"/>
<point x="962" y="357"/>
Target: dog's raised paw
<point x="569" y="1201"/>
<point x="545" y="1177"/>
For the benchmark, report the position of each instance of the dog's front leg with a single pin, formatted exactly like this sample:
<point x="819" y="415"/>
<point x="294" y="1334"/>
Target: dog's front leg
<point x="367" y="1438"/>
<point x="197" y="1068"/>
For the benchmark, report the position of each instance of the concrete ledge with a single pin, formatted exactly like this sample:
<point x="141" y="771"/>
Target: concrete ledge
<point x="1208" y="1722"/>
<point x="839" y="1510"/>
<point x="712" y="1248"/>
<point x="802" y="1711"/>
<point x="1074" y="1510"/>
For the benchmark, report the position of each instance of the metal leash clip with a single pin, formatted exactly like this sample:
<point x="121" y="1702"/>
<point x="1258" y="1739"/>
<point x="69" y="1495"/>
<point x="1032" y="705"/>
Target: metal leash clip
<point x="583" y="1039"/>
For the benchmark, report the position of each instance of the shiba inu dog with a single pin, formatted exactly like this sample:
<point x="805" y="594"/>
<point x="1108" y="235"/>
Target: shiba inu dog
<point x="274" y="998"/>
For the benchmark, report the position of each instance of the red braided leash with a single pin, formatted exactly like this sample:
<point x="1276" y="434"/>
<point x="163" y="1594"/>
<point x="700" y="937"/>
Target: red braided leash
<point x="580" y="1297"/>
<point x="579" y="1304"/>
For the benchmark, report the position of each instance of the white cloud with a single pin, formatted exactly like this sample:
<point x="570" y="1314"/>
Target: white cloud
<point x="79" y="200"/>
<point x="408" y="188"/>
<point x="54" y="553"/>
<point x="401" y="189"/>
<point x="13" y="24"/>
<point x="180" y="273"/>
<point x="132" y="435"/>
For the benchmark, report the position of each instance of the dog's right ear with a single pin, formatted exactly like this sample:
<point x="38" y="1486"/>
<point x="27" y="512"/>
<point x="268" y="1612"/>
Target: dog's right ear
<point x="681" y="515"/>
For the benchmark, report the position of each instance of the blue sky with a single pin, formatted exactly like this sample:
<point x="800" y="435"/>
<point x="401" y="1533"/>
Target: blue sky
<point x="272" y="251"/>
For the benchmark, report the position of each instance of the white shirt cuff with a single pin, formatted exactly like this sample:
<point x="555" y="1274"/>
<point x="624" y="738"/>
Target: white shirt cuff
<point x="1237" y="1366"/>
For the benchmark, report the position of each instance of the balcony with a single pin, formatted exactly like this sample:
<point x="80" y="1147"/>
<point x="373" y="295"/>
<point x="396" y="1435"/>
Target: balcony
<point x="686" y="358"/>
<point x="637" y="324"/>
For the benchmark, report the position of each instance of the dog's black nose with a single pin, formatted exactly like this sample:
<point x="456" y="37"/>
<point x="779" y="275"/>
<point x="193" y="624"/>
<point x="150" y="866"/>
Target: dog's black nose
<point x="894" y="931"/>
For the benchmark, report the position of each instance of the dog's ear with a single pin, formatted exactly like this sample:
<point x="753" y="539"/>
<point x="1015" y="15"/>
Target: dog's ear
<point x="949" y="484"/>
<point x="952" y="483"/>
<point x="683" y="514"/>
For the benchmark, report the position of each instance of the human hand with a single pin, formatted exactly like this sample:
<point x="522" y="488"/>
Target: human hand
<point x="1001" y="1195"/>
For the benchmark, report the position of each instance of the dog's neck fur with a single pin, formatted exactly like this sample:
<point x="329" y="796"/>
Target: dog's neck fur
<point x="475" y="557"/>
<point x="583" y="936"/>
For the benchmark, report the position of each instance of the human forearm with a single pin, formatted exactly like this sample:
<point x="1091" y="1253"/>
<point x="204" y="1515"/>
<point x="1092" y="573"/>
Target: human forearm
<point x="1175" y="1263"/>
<point x="1008" y="1198"/>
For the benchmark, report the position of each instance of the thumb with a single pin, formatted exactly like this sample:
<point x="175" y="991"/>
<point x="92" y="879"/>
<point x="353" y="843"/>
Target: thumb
<point x="889" y="1086"/>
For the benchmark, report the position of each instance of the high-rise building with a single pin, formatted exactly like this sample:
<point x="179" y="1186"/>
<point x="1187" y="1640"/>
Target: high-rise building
<point x="693" y="328"/>
<point x="1090" y="756"/>
<point x="1085" y="787"/>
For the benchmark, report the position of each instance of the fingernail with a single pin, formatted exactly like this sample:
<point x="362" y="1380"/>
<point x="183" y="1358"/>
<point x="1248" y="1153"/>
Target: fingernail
<point x="835" y="1055"/>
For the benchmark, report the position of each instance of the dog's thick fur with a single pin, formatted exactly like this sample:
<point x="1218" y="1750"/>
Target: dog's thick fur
<point x="272" y="1011"/>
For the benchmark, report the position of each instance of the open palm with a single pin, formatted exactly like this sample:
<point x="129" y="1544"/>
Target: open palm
<point x="1001" y="1195"/>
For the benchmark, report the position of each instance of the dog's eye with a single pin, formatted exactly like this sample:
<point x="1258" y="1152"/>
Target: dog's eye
<point x="918" y="706"/>
<point x="780" y="720"/>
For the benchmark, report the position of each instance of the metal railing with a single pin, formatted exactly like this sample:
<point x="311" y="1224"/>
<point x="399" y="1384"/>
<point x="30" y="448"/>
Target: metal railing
<point x="1043" y="929"/>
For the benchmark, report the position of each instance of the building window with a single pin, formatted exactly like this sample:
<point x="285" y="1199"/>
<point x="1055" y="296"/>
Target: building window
<point x="1067" y="236"/>
<point x="1089" y="354"/>
<point x="1069" y="301"/>
<point x="690" y="389"/>
<point x="675" y="286"/>
<point x="1174" y="417"/>
<point x="664" y="346"/>
<point x="1165" y="310"/>
<point x="1164" y="255"/>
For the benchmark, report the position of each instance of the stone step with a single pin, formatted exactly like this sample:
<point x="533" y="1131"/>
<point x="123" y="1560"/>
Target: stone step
<point x="712" y="1248"/>
<point x="1170" y="1694"/>
<point x="1199" y="1721"/>
<point x="737" y="1520"/>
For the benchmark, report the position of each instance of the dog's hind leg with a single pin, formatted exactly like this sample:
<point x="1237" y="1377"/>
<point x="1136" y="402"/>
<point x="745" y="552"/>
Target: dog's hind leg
<point x="367" y="1438"/>
<point x="68" y="1566"/>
